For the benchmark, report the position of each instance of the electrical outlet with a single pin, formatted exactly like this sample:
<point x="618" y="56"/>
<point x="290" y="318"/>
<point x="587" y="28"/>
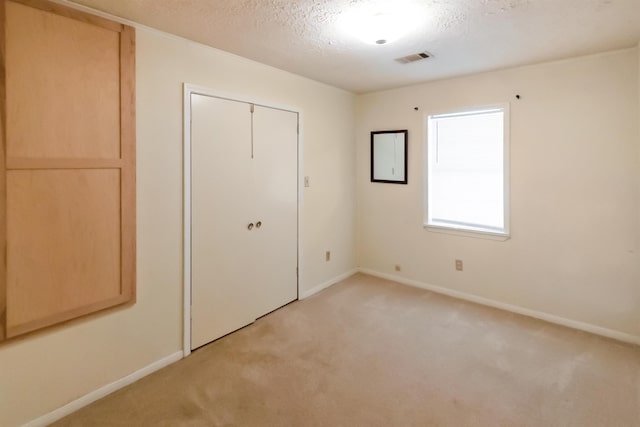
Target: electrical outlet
<point x="327" y="256"/>
<point x="306" y="181"/>
<point x="459" y="265"/>
<point x="398" y="267"/>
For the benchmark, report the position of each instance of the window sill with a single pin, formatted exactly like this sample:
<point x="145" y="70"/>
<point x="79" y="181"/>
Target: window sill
<point x="478" y="234"/>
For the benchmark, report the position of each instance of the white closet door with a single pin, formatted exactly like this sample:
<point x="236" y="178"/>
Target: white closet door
<point x="222" y="205"/>
<point x="275" y="148"/>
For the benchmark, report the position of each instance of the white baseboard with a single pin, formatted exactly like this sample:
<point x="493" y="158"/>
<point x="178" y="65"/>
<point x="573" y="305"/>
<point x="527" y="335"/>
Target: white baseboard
<point x="587" y="327"/>
<point x="325" y="285"/>
<point x="87" y="399"/>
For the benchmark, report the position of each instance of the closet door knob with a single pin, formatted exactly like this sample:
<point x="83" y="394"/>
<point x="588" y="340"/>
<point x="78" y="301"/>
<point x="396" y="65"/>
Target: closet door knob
<point x="250" y="226"/>
<point x="258" y="224"/>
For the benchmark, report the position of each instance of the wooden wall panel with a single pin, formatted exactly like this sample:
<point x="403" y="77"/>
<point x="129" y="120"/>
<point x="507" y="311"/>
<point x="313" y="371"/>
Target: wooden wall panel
<point x="3" y="228"/>
<point x="128" y="134"/>
<point x="64" y="245"/>
<point x="76" y="102"/>
<point x="67" y="165"/>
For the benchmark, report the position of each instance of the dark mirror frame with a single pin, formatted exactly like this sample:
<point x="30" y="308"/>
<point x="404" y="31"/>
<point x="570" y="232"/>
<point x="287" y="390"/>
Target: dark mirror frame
<point x="406" y="146"/>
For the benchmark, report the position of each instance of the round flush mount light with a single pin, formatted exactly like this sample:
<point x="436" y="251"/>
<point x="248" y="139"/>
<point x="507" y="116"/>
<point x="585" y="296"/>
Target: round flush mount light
<point x="378" y="27"/>
<point x="378" y="24"/>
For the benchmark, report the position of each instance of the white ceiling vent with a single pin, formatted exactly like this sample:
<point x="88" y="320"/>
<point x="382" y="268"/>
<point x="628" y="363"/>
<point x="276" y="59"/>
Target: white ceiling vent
<point x="413" y="58"/>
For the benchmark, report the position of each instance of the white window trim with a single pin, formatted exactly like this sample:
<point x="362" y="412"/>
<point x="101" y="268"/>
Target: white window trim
<point x="469" y="231"/>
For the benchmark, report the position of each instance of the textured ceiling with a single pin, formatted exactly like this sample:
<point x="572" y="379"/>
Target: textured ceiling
<point x="307" y="37"/>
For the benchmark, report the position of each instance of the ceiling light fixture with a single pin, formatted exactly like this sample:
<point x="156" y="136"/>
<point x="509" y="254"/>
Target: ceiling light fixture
<point x="379" y="24"/>
<point x="379" y="28"/>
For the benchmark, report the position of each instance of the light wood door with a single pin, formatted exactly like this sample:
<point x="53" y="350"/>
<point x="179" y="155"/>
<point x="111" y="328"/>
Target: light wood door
<point x="222" y="207"/>
<point x="275" y="163"/>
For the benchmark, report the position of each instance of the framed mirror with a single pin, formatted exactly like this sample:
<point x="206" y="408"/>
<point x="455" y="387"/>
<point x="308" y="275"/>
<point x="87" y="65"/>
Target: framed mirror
<point x="389" y="156"/>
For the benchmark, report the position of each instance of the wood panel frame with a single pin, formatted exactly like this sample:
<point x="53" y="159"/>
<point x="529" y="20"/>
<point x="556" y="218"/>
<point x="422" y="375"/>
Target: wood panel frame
<point x="126" y="165"/>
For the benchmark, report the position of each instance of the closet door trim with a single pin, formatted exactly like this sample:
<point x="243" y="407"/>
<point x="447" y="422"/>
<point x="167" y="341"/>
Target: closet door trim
<point x="188" y="90"/>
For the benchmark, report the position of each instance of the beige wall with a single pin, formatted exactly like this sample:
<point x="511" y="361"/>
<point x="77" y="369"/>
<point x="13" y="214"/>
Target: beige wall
<point x="575" y="205"/>
<point x="49" y="369"/>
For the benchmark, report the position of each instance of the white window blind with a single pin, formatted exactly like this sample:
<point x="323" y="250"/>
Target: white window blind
<point x="467" y="171"/>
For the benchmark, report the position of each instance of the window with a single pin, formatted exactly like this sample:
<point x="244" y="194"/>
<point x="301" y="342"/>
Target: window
<point x="467" y="170"/>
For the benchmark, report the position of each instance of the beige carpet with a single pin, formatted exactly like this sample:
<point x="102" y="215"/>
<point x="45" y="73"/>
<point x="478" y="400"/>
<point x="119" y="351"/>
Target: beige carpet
<point x="369" y="352"/>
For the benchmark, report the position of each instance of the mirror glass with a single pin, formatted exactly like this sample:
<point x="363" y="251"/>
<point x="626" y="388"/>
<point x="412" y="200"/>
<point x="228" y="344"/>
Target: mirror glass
<point x="389" y="156"/>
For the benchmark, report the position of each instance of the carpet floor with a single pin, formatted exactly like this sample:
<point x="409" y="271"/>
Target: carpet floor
<point x="370" y="352"/>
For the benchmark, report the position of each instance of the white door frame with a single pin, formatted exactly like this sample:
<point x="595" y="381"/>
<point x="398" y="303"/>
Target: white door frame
<point x="188" y="90"/>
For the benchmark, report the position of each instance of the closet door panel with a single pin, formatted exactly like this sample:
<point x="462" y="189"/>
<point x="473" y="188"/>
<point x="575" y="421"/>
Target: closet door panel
<point x="275" y="167"/>
<point x="222" y="203"/>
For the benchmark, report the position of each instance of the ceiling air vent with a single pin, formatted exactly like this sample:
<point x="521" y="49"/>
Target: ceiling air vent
<point x="413" y="58"/>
